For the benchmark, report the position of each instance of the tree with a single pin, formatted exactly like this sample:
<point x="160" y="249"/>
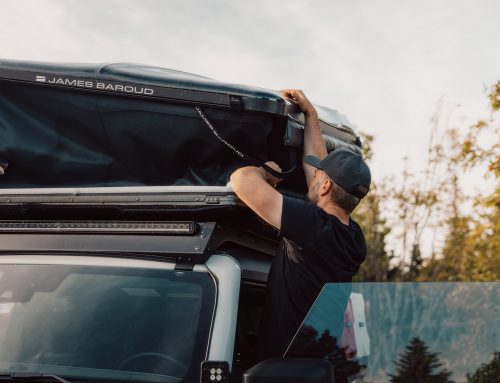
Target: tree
<point x="487" y="373"/>
<point x="369" y="216"/>
<point x="309" y="343"/>
<point x="417" y="365"/>
<point x="430" y="202"/>
<point x="472" y="246"/>
<point x="376" y="266"/>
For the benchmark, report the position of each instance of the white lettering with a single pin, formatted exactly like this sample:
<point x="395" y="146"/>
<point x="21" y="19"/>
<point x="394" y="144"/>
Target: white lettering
<point x="99" y="85"/>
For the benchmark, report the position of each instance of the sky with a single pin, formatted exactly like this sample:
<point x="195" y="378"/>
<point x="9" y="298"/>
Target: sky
<point x="384" y="64"/>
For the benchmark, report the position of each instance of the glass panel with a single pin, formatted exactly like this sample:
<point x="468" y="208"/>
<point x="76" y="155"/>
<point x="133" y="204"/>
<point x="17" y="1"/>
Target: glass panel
<point x="405" y="332"/>
<point x="107" y="323"/>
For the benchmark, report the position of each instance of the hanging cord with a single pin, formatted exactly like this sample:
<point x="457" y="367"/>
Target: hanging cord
<point x="249" y="159"/>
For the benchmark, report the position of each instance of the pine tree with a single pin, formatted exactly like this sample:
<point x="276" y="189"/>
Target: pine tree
<point x="368" y="215"/>
<point x="417" y="365"/>
<point x="487" y="373"/>
<point x="415" y="262"/>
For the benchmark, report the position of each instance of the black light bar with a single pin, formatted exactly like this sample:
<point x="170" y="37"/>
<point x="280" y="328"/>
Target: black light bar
<point x="99" y="227"/>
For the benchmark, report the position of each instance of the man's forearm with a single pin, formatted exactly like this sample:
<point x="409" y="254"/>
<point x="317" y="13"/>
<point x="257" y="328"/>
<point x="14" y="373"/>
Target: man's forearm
<point x="253" y="186"/>
<point x="314" y="145"/>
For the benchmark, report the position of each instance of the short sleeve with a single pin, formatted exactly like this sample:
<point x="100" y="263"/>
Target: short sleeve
<point x="300" y="221"/>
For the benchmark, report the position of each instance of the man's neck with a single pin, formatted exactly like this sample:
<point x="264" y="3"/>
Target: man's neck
<point x="332" y="209"/>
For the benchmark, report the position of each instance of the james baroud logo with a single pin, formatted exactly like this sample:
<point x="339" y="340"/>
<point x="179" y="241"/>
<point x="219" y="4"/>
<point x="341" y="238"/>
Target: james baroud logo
<point x="92" y="84"/>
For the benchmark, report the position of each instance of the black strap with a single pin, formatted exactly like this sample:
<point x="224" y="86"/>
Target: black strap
<point x="247" y="158"/>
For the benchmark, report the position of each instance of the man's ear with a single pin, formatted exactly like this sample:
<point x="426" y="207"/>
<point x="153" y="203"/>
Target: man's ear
<point x="326" y="186"/>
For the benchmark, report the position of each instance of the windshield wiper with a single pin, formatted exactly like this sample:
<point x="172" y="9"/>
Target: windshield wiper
<point x="30" y="376"/>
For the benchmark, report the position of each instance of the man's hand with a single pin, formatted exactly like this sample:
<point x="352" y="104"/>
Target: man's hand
<point x="298" y="97"/>
<point x="272" y="180"/>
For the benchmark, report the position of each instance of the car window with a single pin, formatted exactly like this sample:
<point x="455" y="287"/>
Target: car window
<point x="399" y="332"/>
<point x="104" y="322"/>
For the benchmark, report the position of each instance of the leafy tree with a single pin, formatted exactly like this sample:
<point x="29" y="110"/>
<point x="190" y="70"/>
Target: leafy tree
<point x="416" y="205"/>
<point x="369" y="216"/>
<point x="432" y="200"/>
<point x="417" y="365"/>
<point x="472" y="247"/>
<point x="376" y="266"/>
<point x="487" y="373"/>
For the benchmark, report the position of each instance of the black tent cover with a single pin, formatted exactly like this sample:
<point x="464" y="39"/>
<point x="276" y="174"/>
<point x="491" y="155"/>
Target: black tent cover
<point x="81" y="125"/>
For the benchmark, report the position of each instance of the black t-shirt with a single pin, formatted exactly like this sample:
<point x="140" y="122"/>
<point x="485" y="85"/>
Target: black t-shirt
<point x="315" y="248"/>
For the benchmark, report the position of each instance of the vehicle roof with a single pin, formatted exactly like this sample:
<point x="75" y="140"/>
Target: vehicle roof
<point x="139" y="73"/>
<point x="213" y="91"/>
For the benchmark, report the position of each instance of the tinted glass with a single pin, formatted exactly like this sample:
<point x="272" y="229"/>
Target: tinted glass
<point x="406" y="332"/>
<point x="107" y="323"/>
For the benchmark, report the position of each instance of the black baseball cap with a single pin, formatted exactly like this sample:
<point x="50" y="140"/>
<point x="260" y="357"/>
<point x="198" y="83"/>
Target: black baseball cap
<point x="346" y="168"/>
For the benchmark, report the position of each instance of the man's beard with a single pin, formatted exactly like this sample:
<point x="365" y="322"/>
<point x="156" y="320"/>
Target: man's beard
<point x="312" y="194"/>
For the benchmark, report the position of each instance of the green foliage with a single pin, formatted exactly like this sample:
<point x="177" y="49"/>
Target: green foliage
<point x="472" y="248"/>
<point x="369" y="216"/>
<point x="417" y="365"/>
<point x="495" y="97"/>
<point x="487" y="373"/>
<point x="433" y="199"/>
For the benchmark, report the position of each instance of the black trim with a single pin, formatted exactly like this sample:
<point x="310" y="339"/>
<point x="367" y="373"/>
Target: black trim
<point x="100" y="227"/>
<point x="120" y="199"/>
<point x="179" y="248"/>
<point x="100" y="83"/>
<point x="140" y="90"/>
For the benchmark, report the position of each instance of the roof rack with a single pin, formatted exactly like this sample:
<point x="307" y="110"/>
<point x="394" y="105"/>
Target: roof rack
<point x="130" y="196"/>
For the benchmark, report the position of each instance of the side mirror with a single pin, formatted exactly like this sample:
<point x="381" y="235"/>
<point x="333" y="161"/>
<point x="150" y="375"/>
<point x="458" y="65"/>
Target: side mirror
<point x="290" y="370"/>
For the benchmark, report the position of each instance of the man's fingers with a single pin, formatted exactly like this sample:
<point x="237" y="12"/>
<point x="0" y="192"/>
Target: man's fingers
<point x="273" y="165"/>
<point x="295" y="96"/>
<point x="294" y="93"/>
<point x="287" y="94"/>
<point x="298" y="97"/>
<point x="272" y="180"/>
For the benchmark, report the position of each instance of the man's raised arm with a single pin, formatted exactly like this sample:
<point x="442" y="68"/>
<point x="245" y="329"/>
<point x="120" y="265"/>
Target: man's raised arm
<point x="256" y="188"/>
<point x="314" y="145"/>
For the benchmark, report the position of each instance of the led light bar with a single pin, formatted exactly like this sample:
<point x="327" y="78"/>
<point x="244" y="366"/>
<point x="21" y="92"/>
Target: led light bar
<point x="99" y="227"/>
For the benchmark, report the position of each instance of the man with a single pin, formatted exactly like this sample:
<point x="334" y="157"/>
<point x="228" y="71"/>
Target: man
<point x="320" y="243"/>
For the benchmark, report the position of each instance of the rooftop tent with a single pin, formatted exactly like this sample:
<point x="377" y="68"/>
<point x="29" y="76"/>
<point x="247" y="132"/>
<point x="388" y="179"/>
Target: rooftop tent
<point x="129" y="125"/>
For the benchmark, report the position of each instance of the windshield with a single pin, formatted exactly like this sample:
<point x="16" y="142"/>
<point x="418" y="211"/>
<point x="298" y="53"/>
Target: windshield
<point x="105" y="322"/>
<point x="405" y="332"/>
